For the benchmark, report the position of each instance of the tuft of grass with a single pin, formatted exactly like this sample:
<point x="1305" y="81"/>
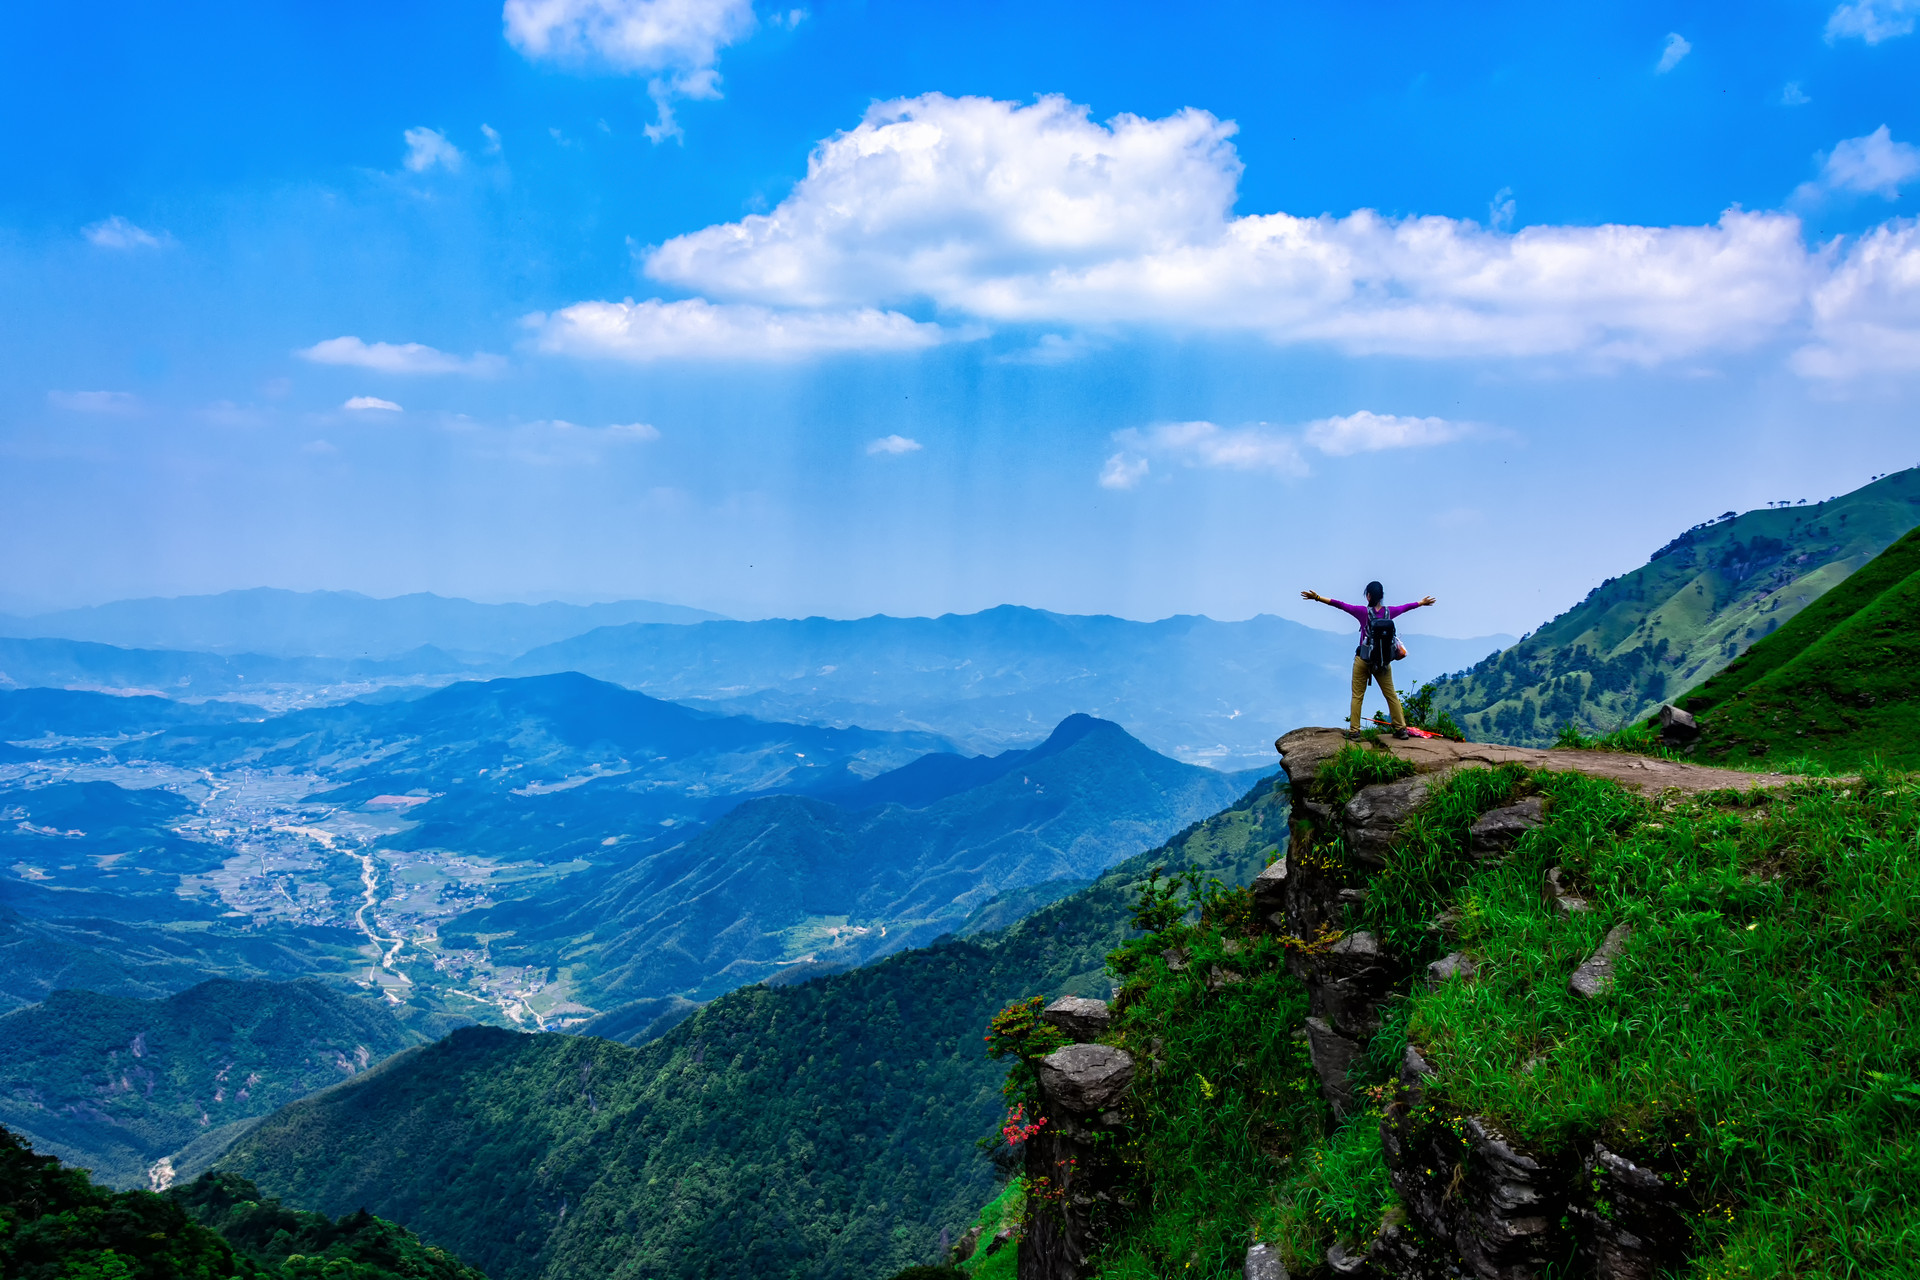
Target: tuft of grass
<point x="1353" y="767"/>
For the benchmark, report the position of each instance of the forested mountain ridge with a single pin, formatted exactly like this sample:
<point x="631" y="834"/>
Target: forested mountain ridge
<point x="1646" y="637"/>
<point x="116" y="1085"/>
<point x="812" y="1131"/>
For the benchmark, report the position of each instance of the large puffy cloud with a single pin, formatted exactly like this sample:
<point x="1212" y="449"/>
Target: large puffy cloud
<point x="697" y="329"/>
<point x="1039" y="214"/>
<point x="1866" y="315"/>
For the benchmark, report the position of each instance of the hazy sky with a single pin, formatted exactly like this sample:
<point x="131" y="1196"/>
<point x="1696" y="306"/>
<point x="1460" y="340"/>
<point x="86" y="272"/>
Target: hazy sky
<point x="847" y="308"/>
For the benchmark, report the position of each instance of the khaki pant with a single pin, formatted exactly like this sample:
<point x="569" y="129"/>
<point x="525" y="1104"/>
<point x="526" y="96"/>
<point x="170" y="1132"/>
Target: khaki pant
<point x="1363" y="672"/>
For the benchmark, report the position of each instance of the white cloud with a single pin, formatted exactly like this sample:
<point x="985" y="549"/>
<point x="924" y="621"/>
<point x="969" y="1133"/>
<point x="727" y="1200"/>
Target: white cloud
<point x="1793" y="95"/>
<point x="1205" y="444"/>
<point x="429" y="147"/>
<point x="643" y="431"/>
<point x="1871" y="165"/>
<point x="1671" y="52"/>
<point x="894" y="445"/>
<point x="492" y="135"/>
<point x="1872" y="20"/>
<point x="697" y="329"/>
<point x="118" y="233"/>
<point x="676" y="41"/>
<point x="94" y="401"/>
<point x="1366" y="432"/>
<point x="1123" y="472"/>
<point x="360" y="404"/>
<point x="404" y="357"/>
<point x="1500" y="209"/>
<point x="1866" y="316"/>
<point x="1036" y="214"/>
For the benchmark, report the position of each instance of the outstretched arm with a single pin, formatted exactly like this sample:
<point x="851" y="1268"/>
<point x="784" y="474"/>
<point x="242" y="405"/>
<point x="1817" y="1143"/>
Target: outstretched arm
<point x="1314" y="595"/>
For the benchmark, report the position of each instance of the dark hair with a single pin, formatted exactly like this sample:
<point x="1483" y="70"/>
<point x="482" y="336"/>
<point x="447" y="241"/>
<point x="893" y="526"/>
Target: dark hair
<point x="1375" y="593"/>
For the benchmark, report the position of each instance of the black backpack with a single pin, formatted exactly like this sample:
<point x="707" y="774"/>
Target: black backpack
<point x="1378" y="647"/>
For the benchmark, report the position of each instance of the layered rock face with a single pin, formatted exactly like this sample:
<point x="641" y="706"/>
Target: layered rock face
<point x="1476" y="1203"/>
<point x="1075" y="1184"/>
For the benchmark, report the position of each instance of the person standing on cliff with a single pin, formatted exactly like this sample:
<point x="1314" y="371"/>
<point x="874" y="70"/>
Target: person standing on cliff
<point x="1373" y="660"/>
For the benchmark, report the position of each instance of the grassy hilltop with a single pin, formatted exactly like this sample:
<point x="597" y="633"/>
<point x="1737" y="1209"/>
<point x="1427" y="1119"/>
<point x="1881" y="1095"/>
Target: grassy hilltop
<point x="1838" y="681"/>
<point x="1704" y="598"/>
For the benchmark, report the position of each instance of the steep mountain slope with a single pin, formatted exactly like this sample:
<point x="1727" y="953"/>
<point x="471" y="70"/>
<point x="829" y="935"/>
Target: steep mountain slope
<point x="1190" y="687"/>
<point x="821" y="1130"/>
<point x="115" y="1085"/>
<point x="789" y="880"/>
<point x="1837" y="682"/>
<point x="1704" y="597"/>
<point x="340" y="624"/>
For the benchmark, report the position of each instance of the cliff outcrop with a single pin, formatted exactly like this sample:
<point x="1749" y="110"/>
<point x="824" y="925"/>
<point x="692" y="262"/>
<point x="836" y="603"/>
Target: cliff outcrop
<point x="1493" y="1014"/>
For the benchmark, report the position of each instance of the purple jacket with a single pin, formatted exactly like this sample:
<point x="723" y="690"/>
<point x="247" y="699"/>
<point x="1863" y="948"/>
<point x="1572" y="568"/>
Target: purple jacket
<point x="1359" y="611"/>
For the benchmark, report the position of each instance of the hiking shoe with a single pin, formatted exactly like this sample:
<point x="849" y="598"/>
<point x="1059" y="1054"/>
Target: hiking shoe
<point x="1401" y="733"/>
<point x="1353" y="735"/>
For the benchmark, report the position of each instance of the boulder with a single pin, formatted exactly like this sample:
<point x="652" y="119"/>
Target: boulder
<point x="1595" y="978"/>
<point x="963" y="1247"/>
<point x="1085" y="1078"/>
<point x="1001" y="1239"/>
<point x="1303" y="751"/>
<point x="1331" y="1054"/>
<point x="1081" y="1018"/>
<point x="1343" y="1262"/>
<point x="1497" y="830"/>
<point x="1376" y="812"/>
<point x="1263" y="1263"/>
<point x="1561" y="899"/>
<point x="1447" y="968"/>
<point x="1270" y="886"/>
<point x="1676" y="727"/>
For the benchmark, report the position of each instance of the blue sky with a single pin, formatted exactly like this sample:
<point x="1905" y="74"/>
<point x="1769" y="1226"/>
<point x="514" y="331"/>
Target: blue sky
<point x="848" y="308"/>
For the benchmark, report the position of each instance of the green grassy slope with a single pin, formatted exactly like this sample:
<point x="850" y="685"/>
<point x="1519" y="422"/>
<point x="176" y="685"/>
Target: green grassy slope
<point x="820" y="1130"/>
<point x="1757" y="1049"/>
<point x="1695" y="606"/>
<point x="1837" y="683"/>
<point x="112" y="1085"/>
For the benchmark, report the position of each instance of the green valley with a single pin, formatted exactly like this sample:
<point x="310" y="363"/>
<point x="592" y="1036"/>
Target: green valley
<point x="821" y="1129"/>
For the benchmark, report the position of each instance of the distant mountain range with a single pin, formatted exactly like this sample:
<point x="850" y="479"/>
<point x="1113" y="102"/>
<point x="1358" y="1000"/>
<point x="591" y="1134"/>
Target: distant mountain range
<point x="335" y="624"/>
<point x="1700" y="602"/>
<point x="1199" y="690"/>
